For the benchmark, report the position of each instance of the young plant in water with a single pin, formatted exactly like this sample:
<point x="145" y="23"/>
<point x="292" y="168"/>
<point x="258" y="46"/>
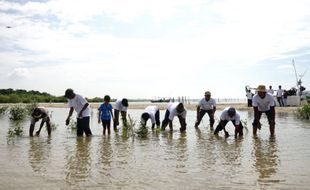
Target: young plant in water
<point x="142" y="132"/>
<point x="72" y="124"/>
<point x="17" y="113"/>
<point x="128" y="127"/>
<point x="16" y="130"/>
<point x="244" y="123"/>
<point x="3" y="109"/>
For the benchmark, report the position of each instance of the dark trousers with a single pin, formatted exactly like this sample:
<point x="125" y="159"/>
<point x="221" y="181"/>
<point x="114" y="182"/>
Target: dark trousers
<point x="157" y="119"/>
<point x="223" y="123"/>
<point x="269" y="117"/>
<point x="166" y="120"/>
<point x="83" y="126"/>
<point x="249" y="102"/>
<point x="106" y="124"/>
<point x="202" y="113"/>
<point x="280" y="101"/>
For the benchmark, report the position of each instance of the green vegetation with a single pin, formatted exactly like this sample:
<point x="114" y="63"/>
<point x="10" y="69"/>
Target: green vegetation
<point x="3" y="109"/>
<point x="303" y="112"/>
<point x="142" y="132"/>
<point x="24" y="96"/>
<point x="128" y="127"/>
<point x="17" y="113"/>
<point x="15" y="130"/>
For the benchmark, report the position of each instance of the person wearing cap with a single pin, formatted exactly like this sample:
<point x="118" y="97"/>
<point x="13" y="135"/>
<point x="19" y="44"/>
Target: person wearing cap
<point x="120" y="106"/>
<point x="80" y="105"/>
<point x="37" y="114"/>
<point x="206" y="105"/>
<point x="105" y="113"/>
<point x="174" y="109"/>
<point x="263" y="102"/>
<point x="229" y="114"/>
<point x="151" y="112"/>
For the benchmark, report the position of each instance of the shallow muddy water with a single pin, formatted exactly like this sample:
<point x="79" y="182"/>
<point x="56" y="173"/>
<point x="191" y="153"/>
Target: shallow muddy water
<point x="193" y="160"/>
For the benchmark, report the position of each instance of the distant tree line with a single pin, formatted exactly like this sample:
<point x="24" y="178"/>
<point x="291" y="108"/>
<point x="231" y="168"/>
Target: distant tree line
<point x="23" y="96"/>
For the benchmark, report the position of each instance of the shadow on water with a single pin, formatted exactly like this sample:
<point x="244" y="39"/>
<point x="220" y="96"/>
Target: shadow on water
<point x="266" y="157"/>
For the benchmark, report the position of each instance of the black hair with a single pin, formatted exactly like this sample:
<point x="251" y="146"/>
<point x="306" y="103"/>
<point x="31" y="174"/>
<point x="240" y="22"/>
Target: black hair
<point x="125" y="102"/>
<point x="107" y="98"/>
<point x="145" y="116"/>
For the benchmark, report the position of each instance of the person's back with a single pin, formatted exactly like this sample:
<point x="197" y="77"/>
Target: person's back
<point x="37" y="114"/>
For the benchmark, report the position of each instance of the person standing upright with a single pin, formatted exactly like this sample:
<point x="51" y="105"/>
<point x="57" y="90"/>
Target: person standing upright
<point x="280" y="96"/>
<point x="80" y="105"/>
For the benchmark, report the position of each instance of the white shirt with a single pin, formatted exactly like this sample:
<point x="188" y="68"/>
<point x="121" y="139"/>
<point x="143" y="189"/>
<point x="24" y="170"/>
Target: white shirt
<point x="151" y="110"/>
<point x="249" y="95"/>
<point x="263" y="104"/>
<point x="270" y="91"/>
<point x="207" y="105"/>
<point x="225" y="116"/>
<point x="173" y="111"/>
<point x="78" y="103"/>
<point x="280" y="92"/>
<point x="119" y="106"/>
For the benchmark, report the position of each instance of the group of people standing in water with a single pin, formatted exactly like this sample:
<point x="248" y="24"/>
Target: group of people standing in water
<point x="262" y="102"/>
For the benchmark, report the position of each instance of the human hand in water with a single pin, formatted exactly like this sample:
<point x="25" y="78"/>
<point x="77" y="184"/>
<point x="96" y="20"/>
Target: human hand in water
<point x="67" y="121"/>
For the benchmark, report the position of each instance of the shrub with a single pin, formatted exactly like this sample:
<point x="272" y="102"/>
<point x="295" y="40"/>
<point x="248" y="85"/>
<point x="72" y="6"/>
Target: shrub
<point x="303" y="112"/>
<point x="17" y="113"/>
<point x="3" y="109"/>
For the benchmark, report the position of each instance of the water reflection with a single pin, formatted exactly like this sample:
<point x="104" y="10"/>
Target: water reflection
<point x="39" y="152"/>
<point x="79" y="162"/>
<point x="105" y="157"/>
<point x="266" y="158"/>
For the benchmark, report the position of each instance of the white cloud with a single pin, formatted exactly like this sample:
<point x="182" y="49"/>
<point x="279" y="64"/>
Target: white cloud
<point x="213" y="40"/>
<point x="19" y="73"/>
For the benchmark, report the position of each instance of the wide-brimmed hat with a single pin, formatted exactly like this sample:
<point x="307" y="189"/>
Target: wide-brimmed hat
<point x="261" y="88"/>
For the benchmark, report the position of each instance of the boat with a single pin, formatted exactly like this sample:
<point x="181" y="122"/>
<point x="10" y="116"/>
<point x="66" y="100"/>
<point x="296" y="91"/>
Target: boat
<point x="160" y="100"/>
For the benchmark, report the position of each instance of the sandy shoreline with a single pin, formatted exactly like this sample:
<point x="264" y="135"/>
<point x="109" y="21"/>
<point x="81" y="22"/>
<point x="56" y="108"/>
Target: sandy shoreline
<point x="162" y="106"/>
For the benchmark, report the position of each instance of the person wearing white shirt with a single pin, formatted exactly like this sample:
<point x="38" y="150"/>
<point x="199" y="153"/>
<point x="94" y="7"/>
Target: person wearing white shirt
<point x="151" y="112"/>
<point x="229" y="114"/>
<point x="175" y="109"/>
<point x="280" y="96"/>
<point x="263" y="102"/>
<point x="206" y="105"/>
<point x="80" y="105"/>
<point x="120" y="106"/>
<point x="270" y="90"/>
<point x="249" y="96"/>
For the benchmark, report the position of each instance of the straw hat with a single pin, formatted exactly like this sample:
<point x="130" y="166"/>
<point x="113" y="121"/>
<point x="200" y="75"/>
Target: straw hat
<point x="261" y="88"/>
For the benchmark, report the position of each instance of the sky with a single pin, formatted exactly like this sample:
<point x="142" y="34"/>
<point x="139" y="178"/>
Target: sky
<point x="153" y="48"/>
